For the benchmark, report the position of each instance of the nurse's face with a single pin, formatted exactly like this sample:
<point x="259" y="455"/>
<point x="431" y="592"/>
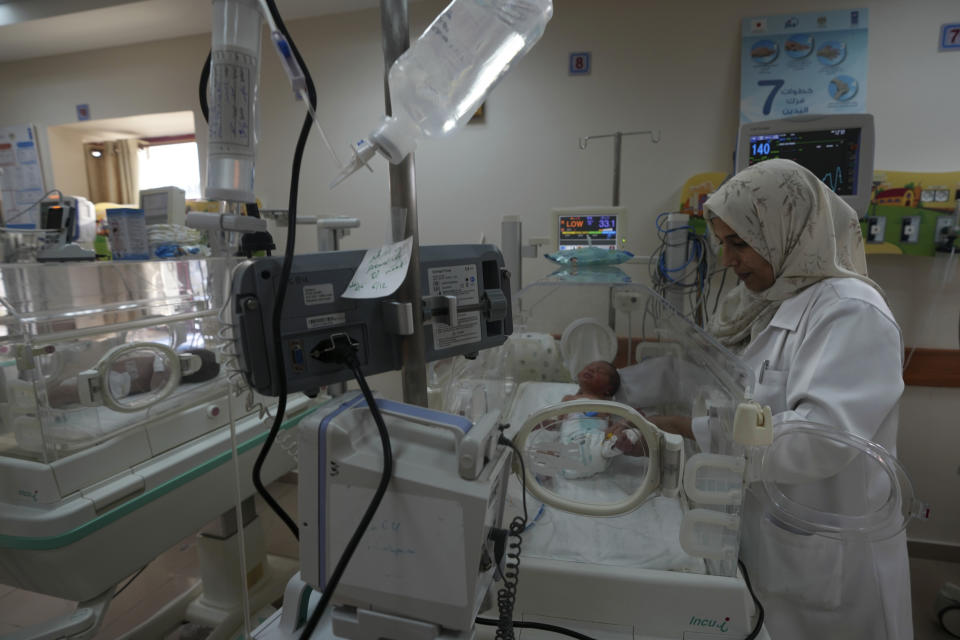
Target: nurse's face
<point x="755" y="272"/>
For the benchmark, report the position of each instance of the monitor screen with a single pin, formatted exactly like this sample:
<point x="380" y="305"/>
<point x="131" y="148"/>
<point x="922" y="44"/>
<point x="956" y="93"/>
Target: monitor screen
<point x="577" y="231"/>
<point x="837" y="148"/>
<point x="832" y="154"/>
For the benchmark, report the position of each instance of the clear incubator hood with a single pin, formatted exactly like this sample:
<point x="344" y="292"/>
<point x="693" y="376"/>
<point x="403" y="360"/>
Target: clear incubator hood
<point x="652" y="500"/>
<point x="91" y="351"/>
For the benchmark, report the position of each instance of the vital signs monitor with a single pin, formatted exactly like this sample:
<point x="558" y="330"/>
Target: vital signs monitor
<point x="837" y="148"/>
<point x="576" y="227"/>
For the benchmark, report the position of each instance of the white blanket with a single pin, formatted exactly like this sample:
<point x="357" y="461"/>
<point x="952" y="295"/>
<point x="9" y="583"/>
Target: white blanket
<point x="647" y="537"/>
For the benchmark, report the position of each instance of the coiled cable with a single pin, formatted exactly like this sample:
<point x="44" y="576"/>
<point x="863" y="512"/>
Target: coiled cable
<point x="507" y="594"/>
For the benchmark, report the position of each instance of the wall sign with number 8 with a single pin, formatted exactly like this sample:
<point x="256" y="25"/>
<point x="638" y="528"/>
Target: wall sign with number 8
<point x="580" y="63"/>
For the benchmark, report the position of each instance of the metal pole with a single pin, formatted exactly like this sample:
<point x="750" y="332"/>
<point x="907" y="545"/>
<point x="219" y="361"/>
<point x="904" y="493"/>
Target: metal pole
<point x="617" y="146"/>
<point x="395" y="25"/>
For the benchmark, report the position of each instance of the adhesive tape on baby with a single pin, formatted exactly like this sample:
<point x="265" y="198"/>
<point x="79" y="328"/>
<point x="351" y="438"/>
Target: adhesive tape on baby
<point x="587" y="340"/>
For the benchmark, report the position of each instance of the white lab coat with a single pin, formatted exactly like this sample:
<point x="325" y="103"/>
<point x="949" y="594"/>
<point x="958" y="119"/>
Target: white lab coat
<point x="832" y="355"/>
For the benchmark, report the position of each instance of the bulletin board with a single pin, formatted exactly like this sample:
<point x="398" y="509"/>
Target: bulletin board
<point x="22" y="181"/>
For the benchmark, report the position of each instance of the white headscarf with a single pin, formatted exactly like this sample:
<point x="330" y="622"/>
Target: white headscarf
<point x="796" y="223"/>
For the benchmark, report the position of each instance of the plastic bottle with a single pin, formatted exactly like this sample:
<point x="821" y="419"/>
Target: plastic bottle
<point x="437" y="84"/>
<point x="101" y="245"/>
<point x="233" y="87"/>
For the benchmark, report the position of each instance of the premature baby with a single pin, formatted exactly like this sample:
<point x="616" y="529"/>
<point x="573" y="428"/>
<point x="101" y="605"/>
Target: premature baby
<point x="594" y="439"/>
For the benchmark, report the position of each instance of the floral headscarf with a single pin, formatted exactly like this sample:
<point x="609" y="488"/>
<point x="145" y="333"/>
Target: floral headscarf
<point x="796" y="223"/>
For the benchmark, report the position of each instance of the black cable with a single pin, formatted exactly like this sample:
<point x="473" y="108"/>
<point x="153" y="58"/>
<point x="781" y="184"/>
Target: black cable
<point x="510" y="575"/>
<point x="723" y="281"/>
<point x="341" y="567"/>
<point x="204" y="78"/>
<point x="134" y="577"/>
<point x="539" y="625"/>
<point x="760" y="614"/>
<point x="282" y="285"/>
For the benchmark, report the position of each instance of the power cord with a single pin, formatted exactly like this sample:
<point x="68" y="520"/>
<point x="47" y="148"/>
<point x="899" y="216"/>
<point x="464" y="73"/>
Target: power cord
<point x="756" y="602"/>
<point x="542" y="626"/>
<point x="343" y="350"/>
<point x="129" y="582"/>
<point x="507" y="595"/>
<point x="285" y="269"/>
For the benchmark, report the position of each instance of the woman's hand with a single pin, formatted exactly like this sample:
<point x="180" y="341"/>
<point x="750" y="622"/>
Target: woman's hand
<point x="680" y="425"/>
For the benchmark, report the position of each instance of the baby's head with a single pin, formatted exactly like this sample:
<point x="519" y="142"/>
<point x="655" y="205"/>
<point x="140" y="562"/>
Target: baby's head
<point x="599" y="379"/>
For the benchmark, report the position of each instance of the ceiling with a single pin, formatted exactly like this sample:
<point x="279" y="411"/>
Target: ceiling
<point x="35" y="28"/>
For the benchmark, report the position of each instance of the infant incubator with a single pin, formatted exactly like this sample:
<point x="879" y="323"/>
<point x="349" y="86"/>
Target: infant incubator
<point x="648" y="518"/>
<point x="116" y="397"/>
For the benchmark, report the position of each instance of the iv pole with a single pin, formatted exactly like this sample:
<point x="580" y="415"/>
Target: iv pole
<point x="617" y="153"/>
<point x="394" y="22"/>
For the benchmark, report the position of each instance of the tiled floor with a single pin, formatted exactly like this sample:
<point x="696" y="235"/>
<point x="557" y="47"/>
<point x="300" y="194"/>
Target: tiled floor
<point x="176" y="570"/>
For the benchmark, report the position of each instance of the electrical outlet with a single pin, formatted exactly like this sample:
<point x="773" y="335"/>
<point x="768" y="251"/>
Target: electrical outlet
<point x="876" y="228"/>
<point x="944" y="225"/>
<point x="626" y="302"/>
<point x="910" y="229"/>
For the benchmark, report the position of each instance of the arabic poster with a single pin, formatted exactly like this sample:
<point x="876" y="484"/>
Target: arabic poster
<point x="804" y="63"/>
<point x="21" y="175"/>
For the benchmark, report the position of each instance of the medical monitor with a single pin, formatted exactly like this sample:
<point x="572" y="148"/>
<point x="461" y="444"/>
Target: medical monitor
<point x="576" y="227"/>
<point x="838" y="149"/>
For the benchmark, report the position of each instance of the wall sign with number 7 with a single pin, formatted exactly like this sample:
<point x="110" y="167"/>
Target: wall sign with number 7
<point x="950" y="37"/>
<point x="774" y="87"/>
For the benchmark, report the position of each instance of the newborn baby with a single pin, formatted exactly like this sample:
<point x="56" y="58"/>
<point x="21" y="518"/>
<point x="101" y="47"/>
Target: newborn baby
<point x="598" y="381"/>
<point x="592" y="438"/>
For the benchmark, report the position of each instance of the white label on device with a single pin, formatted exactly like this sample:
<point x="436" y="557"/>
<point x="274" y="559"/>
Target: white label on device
<point x="467" y="331"/>
<point x="318" y="294"/>
<point x="458" y="280"/>
<point x="329" y="320"/>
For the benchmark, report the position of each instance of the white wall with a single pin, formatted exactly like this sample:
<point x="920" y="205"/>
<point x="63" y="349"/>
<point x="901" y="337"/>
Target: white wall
<point x="66" y="158"/>
<point x="671" y="66"/>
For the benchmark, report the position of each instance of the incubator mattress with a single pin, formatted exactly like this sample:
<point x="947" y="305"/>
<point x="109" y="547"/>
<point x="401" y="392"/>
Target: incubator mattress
<point x="646" y="538"/>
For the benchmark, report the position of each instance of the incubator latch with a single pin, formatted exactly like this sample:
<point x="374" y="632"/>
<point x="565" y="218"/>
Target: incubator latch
<point x="671" y="465"/>
<point x="190" y="363"/>
<point x="753" y="425"/>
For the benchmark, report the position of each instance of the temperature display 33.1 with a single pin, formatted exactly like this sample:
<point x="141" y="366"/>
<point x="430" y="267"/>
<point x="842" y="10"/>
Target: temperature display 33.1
<point x="585" y="230"/>
<point x="832" y="154"/>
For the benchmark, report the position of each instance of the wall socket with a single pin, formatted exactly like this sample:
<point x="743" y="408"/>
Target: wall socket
<point x="910" y="229"/>
<point x="944" y="225"/>
<point x="876" y="228"/>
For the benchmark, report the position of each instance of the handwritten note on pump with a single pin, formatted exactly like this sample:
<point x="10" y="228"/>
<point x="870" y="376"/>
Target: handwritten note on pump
<point x="381" y="272"/>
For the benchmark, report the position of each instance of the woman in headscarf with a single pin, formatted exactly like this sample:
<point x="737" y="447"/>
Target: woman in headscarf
<point x="826" y="349"/>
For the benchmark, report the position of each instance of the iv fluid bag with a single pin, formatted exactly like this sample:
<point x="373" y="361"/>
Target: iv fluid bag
<point x="452" y="67"/>
<point x="437" y="84"/>
<point x="232" y="96"/>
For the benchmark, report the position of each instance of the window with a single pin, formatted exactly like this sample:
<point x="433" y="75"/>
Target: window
<point x="174" y="164"/>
